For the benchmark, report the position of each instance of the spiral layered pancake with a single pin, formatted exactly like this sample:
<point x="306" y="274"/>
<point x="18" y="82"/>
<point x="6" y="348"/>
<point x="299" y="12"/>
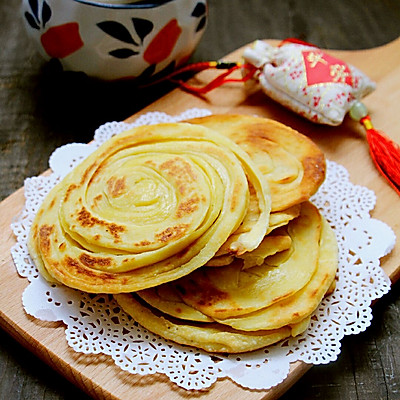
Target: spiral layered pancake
<point x="149" y="206"/>
<point x="291" y="163"/>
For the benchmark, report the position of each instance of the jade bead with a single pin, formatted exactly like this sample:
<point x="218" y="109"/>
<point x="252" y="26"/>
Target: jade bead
<point x="358" y="111"/>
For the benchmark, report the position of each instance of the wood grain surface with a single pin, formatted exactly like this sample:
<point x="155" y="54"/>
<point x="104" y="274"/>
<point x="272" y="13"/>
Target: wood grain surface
<point x="42" y="108"/>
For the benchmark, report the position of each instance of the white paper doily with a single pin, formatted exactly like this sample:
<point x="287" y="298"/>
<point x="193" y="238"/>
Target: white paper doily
<point x="95" y="324"/>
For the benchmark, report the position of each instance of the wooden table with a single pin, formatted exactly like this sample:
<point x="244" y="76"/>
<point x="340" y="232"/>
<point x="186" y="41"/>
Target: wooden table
<point x="42" y="108"/>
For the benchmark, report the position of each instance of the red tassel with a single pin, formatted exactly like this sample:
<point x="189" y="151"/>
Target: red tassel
<point x="385" y="154"/>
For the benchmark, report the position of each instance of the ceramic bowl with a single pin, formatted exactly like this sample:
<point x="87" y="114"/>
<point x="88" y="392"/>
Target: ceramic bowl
<point x="115" y="40"/>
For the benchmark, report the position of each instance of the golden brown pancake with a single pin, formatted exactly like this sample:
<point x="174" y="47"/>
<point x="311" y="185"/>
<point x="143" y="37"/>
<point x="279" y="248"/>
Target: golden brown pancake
<point x="164" y="312"/>
<point x="148" y="206"/>
<point x="291" y="163"/>
<point x="165" y="299"/>
<point x="281" y="218"/>
<point x="304" y="302"/>
<point x="270" y="245"/>
<point x="231" y="290"/>
<point x="212" y="337"/>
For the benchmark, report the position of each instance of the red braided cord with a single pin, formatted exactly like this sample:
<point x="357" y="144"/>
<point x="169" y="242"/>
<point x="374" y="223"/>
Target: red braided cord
<point x="201" y="66"/>
<point x="195" y="67"/>
<point x="221" y="79"/>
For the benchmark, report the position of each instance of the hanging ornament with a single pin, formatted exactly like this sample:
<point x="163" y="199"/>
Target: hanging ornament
<point x="384" y="152"/>
<point x="310" y="82"/>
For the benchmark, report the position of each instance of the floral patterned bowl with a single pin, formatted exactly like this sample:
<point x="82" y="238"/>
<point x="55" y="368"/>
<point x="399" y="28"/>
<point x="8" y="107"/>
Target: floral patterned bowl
<point x="110" y="39"/>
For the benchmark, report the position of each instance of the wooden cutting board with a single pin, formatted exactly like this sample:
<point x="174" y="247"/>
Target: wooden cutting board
<point x="97" y="375"/>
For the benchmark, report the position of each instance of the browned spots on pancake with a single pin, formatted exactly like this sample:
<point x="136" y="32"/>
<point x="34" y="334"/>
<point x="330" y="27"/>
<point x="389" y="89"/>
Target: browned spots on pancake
<point x="96" y="238"/>
<point x="96" y="200"/>
<point x="210" y="296"/>
<point x="115" y="230"/>
<point x="96" y="176"/>
<point x="34" y="230"/>
<point x="142" y="243"/>
<point x="255" y="131"/>
<point x="69" y="190"/>
<point x="116" y="186"/>
<point x="188" y="206"/>
<point x="51" y="205"/>
<point x="224" y="310"/>
<point x="87" y="172"/>
<point x="62" y="246"/>
<point x="202" y="293"/>
<point x="181" y="171"/>
<point x="234" y="198"/>
<point x="44" y="237"/>
<point x="142" y="135"/>
<point x="172" y="233"/>
<point x="285" y="180"/>
<point x="78" y="269"/>
<point x="314" y="168"/>
<point x="90" y="261"/>
<point x="70" y="262"/>
<point x="323" y="282"/>
<point x="123" y="280"/>
<point x="86" y="219"/>
<point x="151" y="163"/>
<point x="283" y="297"/>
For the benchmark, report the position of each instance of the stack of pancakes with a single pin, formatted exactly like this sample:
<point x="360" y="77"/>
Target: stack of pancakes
<point x="202" y="230"/>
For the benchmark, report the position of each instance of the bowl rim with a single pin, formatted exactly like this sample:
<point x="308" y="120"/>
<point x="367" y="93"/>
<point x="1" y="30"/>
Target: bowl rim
<point x="141" y="4"/>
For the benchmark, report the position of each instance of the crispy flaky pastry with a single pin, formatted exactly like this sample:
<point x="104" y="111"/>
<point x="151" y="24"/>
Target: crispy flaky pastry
<point x="292" y="164"/>
<point x="212" y="337"/>
<point x="283" y="217"/>
<point x="231" y="291"/>
<point x="148" y="206"/>
<point x="163" y="311"/>
<point x="304" y="302"/>
<point x="276" y="220"/>
<point x="270" y="245"/>
<point x="167" y="300"/>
